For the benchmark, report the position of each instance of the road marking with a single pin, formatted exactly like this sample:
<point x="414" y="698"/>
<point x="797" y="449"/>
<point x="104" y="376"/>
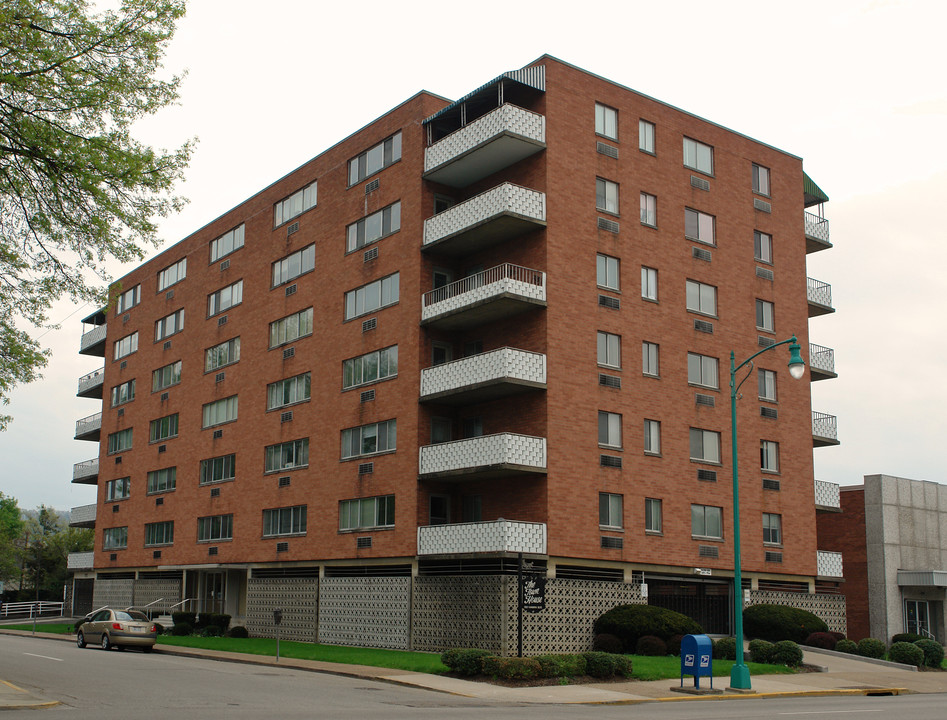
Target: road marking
<point x="829" y="712"/>
<point x="45" y="657"/>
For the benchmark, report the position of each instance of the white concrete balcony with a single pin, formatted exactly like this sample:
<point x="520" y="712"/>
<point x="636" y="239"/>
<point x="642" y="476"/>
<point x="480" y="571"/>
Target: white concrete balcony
<point x="79" y="560"/>
<point x="485" y="456"/>
<point x="829" y="564"/>
<point x="93" y="342"/>
<point x="89" y="428"/>
<point x="824" y="430"/>
<point x="819" y="295"/>
<point x="82" y="516"/>
<point x="827" y="496"/>
<point x="488" y="144"/>
<point x="499" y="536"/>
<point x="90" y="386"/>
<point x="821" y="362"/>
<point x="86" y="472"/>
<point x="498" y="373"/>
<point x="497" y="215"/>
<point x="500" y="292"/>
<point x="817" y="233"/>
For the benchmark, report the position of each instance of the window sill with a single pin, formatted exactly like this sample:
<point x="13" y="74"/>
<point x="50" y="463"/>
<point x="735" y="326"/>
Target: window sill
<point x="704" y="387"/>
<point x="655" y="533"/>
<point x="652" y="153"/>
<point x="701" y="461"/>
<point x="653" y="226"/>
<point x="279" y="408"/>
<point x="290" y="281"/>
<point x="703" y="314"/>
<point x="651" y="375"/>
<point x="707" y="538"/>
<point x="161" y="440"/>
<point x="607" y="212"/>
<point x="770" y="472"/>
<point x="690" y="238"/>
<point x="215" y="541"/>
<point x="773" y="545"/>
<point x="650" y="300"/>
<point x="284" y="470"/>
<point x="611" y="528"/>
<point x="160" y="545"/>
<point x="287" y="342"/>
<point x="152" y="493"/>
<point x="698" y="170"/>
<point x="370" y="312"/>
<point x="371" y="455"/>
<point x="648" y="453"/>
<point x="372" y="528"/>
<point x="280" y="537"/>
<point x="766" y="330"/>
<point x="615" y="368"/>
<point x="215" y="482"/>
<point x="224" y="310"/>
<point x="613" y="448"/>
<point x="608" y="289"/>
<point x="217" y="425"/>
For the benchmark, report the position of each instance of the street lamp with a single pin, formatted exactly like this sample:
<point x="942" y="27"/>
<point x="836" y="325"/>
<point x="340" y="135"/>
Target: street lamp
<point x="740" y="674"/>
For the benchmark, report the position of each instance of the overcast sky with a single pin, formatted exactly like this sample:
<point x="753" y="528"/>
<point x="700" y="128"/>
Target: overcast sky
<point x="856" y="88"/>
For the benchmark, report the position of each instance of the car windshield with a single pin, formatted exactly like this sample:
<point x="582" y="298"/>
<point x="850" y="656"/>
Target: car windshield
<point x="130" y="615"/>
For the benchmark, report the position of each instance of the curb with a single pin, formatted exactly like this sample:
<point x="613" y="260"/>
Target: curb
<point x="35" y="705"/>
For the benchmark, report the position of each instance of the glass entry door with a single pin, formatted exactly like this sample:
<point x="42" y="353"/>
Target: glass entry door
<point x="212" y="599"/>
<point x="917" y="617"/>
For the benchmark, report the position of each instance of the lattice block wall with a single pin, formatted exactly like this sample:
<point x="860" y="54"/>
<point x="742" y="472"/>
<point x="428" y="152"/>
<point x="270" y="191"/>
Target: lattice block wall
<point x="460" y="611"/>
<point x="166" y="591"/>
<point x="113" y="592"/>
<point x="498" y="449"/>
<point x="494" y="365"/>
<point x="830" y="608"/>
<point x="298" y="598"/>
<point x="506" y="118"/>
<point x="505" y="198"/>
<point x="365" y="612"/>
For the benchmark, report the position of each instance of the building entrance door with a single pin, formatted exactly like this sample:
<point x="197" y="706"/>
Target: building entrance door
<point x="212" y="599"/>
<point x="917" y="618"/>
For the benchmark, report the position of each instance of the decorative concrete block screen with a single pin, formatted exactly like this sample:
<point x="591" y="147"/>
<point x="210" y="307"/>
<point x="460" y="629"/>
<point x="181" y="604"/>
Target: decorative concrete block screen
<point x="483" y="537"/>
<point x="296" y="597"/>
<point x="502" y="364"/>
<point x="505" y="199"/>
<point x="166" y="591"/>
<point x="365" y="612"/>
<point x="503" y="281"/>
<point x="113" y="592"/>
<point x="830" y="608"/>
<point x="498" y="449"/>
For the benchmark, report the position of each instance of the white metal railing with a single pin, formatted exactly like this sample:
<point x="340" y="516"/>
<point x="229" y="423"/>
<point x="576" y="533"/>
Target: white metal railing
<point x="93" y="337"/>
<point x="819" y="292"/>
<point x="85" y="469"/>
<point x="80" y="560"/>
<point x="82" y="514"/>
<point x="824" y="426"/>
<point x="87" y="382"/>
<point x="506" y="362"/>
<point x="829" y="564"/>
<point x="31" y="608"/>
<point x="822" y="358"/>
<point x="817" y="227"/>
<point x="485" y="278"/>
<point x="487" y="450"/>
<point x="482" y="537"/>
<point x="827" y="495"/>
<point x="505" y="199"/>
<point x="89" y="424"/>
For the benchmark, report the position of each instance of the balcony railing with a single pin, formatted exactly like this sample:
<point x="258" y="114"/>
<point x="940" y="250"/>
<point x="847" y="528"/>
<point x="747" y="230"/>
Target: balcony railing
<point x="498" y="536"/>
<point x="488" y="455"/>
<point x="829" y="564"/>
<point x="494" y="216"/>
<point x="824" y="430"/>
<point x="486" y="376"/>
<point x="82" y="516"/>
<point x="93" y="342"/>
<point x="501" y="291"/>
<point x="819" y="295"/>
<point x="817" y="233"/>
<point x="827" y="496"/>
<point x="86" y="472"/>
<point x="821" y="362"/>
<point x="91" y="385"/>
<point x="88" y="428"/>
<point x="79" y="560"/>
<point x="490" y="143"/>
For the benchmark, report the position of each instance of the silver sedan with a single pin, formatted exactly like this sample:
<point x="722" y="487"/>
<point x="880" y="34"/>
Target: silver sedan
<point x="117" y="628"/>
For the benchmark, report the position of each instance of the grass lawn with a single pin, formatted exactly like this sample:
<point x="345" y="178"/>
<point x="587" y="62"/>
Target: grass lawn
<point x="669" y="667"/>
<point x="56" y="628"/>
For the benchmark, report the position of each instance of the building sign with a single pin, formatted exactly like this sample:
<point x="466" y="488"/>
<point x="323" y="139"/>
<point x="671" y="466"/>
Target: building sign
<point x="534" y="593"/>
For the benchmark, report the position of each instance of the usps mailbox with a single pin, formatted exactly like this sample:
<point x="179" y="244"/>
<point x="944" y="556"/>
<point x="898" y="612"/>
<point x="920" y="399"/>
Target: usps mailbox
<point x="697" y="658"/>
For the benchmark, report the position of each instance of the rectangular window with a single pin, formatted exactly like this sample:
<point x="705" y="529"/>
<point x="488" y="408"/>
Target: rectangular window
<point x="609" y="429"/>
<point x="772" y="529"/>
<point x="706" y="521"/>
<point x="226" y="243"/>
<point x="219" y="412"/>
<point x="227" y="353"/>
<point x="126" y="346"/>
<point x="225" y="298"/>
<point x="699" y="226"/>
<point x="169" y="325"/>
<point x="649" y="283"/>
<point x="284" y="521"/>
<point x="606" y="121"/>
<point x="609" y="349"/>
<point x="164" y="428"/>
<point x="369" y="368"/>
<point x="115" y="538"/>
<point x="364" y="513"/>
<point x="291" y="328"/>
<point x="371" y="297"/>
<point x="610" y="510"/>
<point x="173" y="274"/>
<point x="166" y="376"/>
<point x="162" y="480"/>
<point x="701" y="298"/>
<point x="769" y="456"/>
<point x="373" y="228"/>
<point x="764" y="315"/>
<point x="705" y="445"/>
<point x="653" y="519"/>
<point x="646" y="136"/>
<point x="767" y="383"/>
<point x="760" y="180"/>
<point x="214" y="528"/>
<point x="296" y="204"/>
<point x="649" y="210"/>
<point x="649" y="359"/>
<point x="606" y="196"/>
<point x="376" y="158"/>
<point x="118" y="489"/>
<point x="288" y="392"/>
<point x="652" y="437"/>
<point x="120" y="441"/>
<point x="128" y="300"/>
<point x="703" y="370"/>
<point x="292" y="266"/>
<point x="607" y="272"/>
<point x="287" y="455"/>
<point x="123" y="393"/>
<point x="763" y="247"/>
<point x="698" y="156"/>
<point x="369" y="439"/>
<point x="218" y="469"/>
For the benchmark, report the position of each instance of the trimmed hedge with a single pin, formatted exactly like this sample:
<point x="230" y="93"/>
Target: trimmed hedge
<point x="471" y="661"/>
<point x="605" y="642"/>
<point x="778" y="622"/>
<point x="725" y="649"/>
<point x="870" y="647"/>
<point x="788" y="653"/>
<point x="606" y="665"/>
<point x="674" y="644"/>
<point x="511" y="668"/>
<point x="238" y="631"/>
<point x="630" y="622"/>
<point x="906" y="653"/>
<point x="933" y="652"/>
<point x="561" y="665"/>
<point x="219" y="620"/>
<point x="651" y="645"/>
<point x="465" y="661"/>
<point x="181" y="629"/>
<point x="183" y="617"/>
<point x="906" y="637"/>
<point x="824" y="640"/>
<point x="847" y="646"/>
<point x="761" y="651"/>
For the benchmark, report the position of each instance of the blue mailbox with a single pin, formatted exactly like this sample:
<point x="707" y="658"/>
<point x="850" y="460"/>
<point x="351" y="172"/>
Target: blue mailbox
<point x="697" y="658"/>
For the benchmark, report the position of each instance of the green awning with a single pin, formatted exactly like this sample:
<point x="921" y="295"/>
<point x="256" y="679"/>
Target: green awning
<point x="813" y="193"/>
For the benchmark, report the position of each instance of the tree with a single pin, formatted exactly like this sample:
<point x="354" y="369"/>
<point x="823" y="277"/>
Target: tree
<point x="76" y="190"/>
<point x="46" y="543"/>
<point x="11" y="527"/>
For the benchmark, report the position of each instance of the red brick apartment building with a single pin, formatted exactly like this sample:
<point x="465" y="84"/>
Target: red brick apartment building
<point x="470" y="329"/>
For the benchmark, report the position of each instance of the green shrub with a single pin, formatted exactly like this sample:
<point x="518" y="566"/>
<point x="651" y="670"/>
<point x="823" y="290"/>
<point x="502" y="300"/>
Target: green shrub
<point x="788" y="653"/>
<point x="238" y="631"/>
<point x="600" y="665"/>
<point x="210" y="631"/>
<point x="564" y="665"/>
<point x="778" y="622"/>
<point x="630" y="622"/>
<point x="218" y="620"/>
<point x="761" y="651"/>
<point x="623" y="666"/>
<point x="870" y="647"/>
<point x="651" y="645"/>
<point x="181" y="629"/>
<point x="511" y="668"/>
<point x="465" y="661"/>
<point x="847" y="646"/>
<point x="824" y="640"/>
<point x="906" y="637"/>
<point x="933" y="652"/>
<point x="725" y="649"/>
<point x="906" y="653"/>
<point x="183" y="617"/>
<point x="606" y="642"/>
<point x="674" y="644"/>
<point x="837" y="635"/>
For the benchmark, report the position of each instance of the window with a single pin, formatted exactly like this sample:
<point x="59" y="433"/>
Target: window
<point x="375" y="158"/>
<point x="699" y="226"/>
<point x="118" y="489"/>
<point x="701" y="298"/>
<point x="369" y="439"/>
<point x="371" y="297"/>
<point x="706" y="521"/>
<point x="218" y="469"/>
<point x="698" y="156"/>
<point x="471" y="508"/>
<point x="115" y="538"/>
<point x="473" y="426"/>
<point x="296" y="204"/>
<point x="123" y="393"/>
<point x="225" y="298"/>
<point x="162" y="480"/>
<point x="371" y="367"/>
<point x="769" y="456"/>
<point x="292" y="266"/>
<point x="365" y="513"/>
<point x="215" y="527"/>
<point x="764" y="315"/>
<point x="763" y="247"/>
<point x="126" y="346"/>
<point x="291" y="328"/>
<point x="760" y="180"/>
<point x="173" y="274"/>
<point x="120" y="441"/>
<point x="652" y="437"/>
<point x="438" y="509"/>
<point x="374" y="227"/>
<point x="649" y="283"/>
<point x="646" y="136"/>
<point x="218" y="356"/>
<point x="649" y="210"/>
<point x="767" y="382"/>
<point x="441" y="353"/>
<point x="160" y="533"/>
<point x="219" y="412"/>
<point x="606" y="121"/>
<point x="128" y="300"/>
<point x="287" y="455"/>
<point x="287" y="392"/>
<point x="609" y="429"/>
<point x="226" y="243"/>
<point x="653" y="515"/>
<point x="649" y="358"/>
<point x="442" y="430"/>
<point x="606" y="196"/>
<point x="772" y="529"/>
<point x="164" y="428"/>
<point x="284" y="521"/>
<point x="169" y="325"/>
<point x="703" y="370"/>
<point x="705" y="445"/>
<point x="610" y="510"/>
<point x="166" y="376"/>
<point x="607" y="272"/>
<point x="609" y="349"/>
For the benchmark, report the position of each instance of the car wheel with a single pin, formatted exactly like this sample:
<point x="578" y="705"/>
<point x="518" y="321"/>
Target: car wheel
<point x="147" y="649"/>
<point x="106" y="643"/>
<point x="120" y="648"/>
<point x="80" y="639"/>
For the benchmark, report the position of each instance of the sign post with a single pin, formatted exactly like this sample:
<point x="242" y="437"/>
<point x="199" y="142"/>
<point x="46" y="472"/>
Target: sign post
<point x="277" y="619"/>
